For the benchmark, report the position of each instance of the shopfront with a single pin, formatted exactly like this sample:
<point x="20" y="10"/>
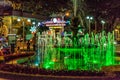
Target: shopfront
<point x="56" y="26"/>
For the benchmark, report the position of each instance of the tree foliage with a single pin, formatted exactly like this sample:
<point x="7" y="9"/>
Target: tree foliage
<point x="108" y="10"/>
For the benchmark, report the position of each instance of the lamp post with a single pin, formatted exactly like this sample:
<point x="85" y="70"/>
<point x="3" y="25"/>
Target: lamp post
<point x="116" y="34"/>
<point x="103" y="24"/>
<point x="89" y="18"/>
<point x="23" y="24"/>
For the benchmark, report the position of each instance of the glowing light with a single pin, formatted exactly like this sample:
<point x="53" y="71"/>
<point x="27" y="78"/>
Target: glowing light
<point x="102" y="21"/>
<point x="88" y="17"/>
<point x="116" y="30"/>
<point x="91" y="18"/>
<point x="33" y="29"/>
<point x="18" y="19"/>
<point x="105" y="44"/>
<point x="54" y="20"/>
<point x="36" y="64"/>
<point x="39" y="24"/>
<point x="67" y="14"/>
<point x="114" y="42"/>
<point x="33" y="22"/>
<point x="29" y="20"/>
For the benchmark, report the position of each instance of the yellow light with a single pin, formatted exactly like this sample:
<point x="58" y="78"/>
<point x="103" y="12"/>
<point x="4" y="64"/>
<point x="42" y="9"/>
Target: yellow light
<point x="116" y="30"/>
<point x="67" y="14"/>
<point x="55" y="27"/>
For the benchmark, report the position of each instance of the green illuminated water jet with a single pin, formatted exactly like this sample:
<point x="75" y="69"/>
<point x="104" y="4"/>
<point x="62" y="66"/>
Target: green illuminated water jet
<point x="90" y="52"/>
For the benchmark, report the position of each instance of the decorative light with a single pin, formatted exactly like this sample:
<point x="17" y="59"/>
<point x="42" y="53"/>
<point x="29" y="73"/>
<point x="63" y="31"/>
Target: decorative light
<point x="39" y="24"/>
<point x="33" y="29"/>
<point x="54" y="20"/>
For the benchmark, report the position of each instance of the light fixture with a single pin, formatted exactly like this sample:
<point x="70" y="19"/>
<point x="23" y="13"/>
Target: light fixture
<point x="33" y="22"/>
<point x="18" y="19"/>
<point x="102" y="21"/>
<point x="28" y="20"/>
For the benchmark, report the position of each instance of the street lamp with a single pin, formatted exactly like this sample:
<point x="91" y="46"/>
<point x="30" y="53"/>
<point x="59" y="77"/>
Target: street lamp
<point x="116" y="34"/>
<point x="28" y="20"/>
<point x="89" y="18"/>
<point x="23" y="24"/>
<point x="103" y="23"/>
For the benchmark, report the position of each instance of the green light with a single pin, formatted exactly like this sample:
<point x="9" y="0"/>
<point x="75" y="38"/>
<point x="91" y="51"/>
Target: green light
<point x="90" y="53"/>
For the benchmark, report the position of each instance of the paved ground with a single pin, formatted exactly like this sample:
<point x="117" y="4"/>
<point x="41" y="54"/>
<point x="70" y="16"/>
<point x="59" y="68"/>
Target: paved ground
<point x="14" y="76"/>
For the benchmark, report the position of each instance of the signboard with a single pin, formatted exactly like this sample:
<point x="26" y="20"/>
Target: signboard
<point x="55" y="22"/>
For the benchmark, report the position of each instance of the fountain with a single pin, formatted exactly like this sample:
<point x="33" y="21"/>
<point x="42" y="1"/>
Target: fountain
<point x="90" y="52"/>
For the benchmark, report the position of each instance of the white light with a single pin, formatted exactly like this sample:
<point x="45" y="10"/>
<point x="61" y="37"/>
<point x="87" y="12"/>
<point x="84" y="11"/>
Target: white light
<point x="36" y="64"/>
<point x="105" y="44"/>
<point x="114" y="42"/>
<point x="87" y="17"/>
<point x="18" y="19"/>
<point x="91" y="18"/>
<point x="33" y="22"/>
<point x="54" y="20"/>
<point x="29" y="20"/>
<point x="103" y="22"/>
<point x="39" y="23"/>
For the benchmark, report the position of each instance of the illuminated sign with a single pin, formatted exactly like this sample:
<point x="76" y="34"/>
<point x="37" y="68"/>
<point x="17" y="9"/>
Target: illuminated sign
<point x="55" y="22"/>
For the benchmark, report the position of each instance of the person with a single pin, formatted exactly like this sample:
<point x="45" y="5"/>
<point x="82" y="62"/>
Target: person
<point x="28" y="45"/>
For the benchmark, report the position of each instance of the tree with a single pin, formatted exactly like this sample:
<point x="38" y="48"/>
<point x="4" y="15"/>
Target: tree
<point x="74" y="27"/>
<point x="43" y="7"/>
<point x="108" y="10"/>
<point x="100" y="9"/>
<point x="81" y="12"/>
